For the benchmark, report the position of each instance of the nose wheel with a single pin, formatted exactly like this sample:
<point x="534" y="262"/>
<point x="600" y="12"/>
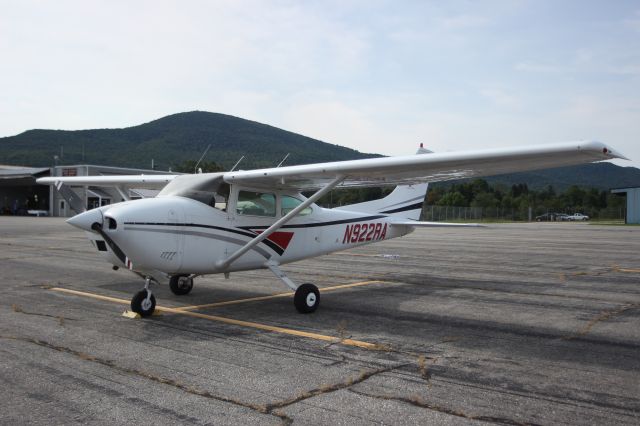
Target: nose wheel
<point x="143" y="302"/>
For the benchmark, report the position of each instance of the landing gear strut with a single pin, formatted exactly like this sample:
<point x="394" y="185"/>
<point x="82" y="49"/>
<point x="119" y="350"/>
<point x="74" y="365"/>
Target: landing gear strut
<point x="306" y="298"/>
<point x="181" y="284"/>
<point x="143" y="302"/>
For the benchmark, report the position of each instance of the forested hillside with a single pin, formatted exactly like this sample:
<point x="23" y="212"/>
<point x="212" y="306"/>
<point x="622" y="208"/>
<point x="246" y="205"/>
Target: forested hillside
<point x="177" y="142"/>
<point x="170" y="141"/>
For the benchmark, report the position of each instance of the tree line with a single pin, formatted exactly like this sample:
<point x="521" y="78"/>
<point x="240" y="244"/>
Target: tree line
<point x="479" y="193"/>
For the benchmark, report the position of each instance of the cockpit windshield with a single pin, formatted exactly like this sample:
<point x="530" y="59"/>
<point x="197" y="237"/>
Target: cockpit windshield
<point x="210" y="189"/>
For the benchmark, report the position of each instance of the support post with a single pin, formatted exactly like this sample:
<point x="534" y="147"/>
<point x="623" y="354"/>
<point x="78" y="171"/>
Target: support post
<point x="122" y="193"/>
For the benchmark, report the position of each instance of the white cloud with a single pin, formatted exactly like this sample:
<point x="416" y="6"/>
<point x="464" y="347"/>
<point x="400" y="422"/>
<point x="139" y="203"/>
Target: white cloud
<point x="376" y="77"/>
<point x="535" y="67"/>
<point x="460" y="22"/>
<point x="500" y="97"/>
<point x="631" y="69"/>
<point x="633" y="22"/>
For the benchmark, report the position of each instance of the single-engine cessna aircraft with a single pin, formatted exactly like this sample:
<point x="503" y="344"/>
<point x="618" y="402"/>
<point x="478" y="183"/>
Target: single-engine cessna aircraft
<point x="213" y="223"/>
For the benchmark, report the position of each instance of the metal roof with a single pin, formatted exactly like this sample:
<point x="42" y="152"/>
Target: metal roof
<point x="17" y="172"/>
<point x="616" y="190"/>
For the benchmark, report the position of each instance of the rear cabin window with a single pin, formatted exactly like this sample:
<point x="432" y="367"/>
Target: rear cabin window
<point x="256" y="204"/>
<point x="289" y="203"/>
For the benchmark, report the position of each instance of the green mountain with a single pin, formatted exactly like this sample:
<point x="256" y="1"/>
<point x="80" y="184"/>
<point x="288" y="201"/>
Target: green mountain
<point x="174" y="139"/>
<point x="170" y="141"/>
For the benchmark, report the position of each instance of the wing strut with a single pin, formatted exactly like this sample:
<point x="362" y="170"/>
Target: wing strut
<point x="224" y="264"/>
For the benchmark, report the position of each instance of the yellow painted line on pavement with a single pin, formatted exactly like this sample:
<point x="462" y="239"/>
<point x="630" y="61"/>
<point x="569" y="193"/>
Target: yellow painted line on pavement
<point x="282" y="330"/>
<point x="274" y="296"/>
<point x="361" y="283"/>
<point x="249" y="324"/>
<point x="636" y="271"/>
<point x="91" y="295"/>
<point x="233" y="302"/>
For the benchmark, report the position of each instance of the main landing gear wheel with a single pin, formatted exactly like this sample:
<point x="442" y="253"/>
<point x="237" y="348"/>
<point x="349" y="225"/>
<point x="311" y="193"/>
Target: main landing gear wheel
<point x="142" y="304"/>
<point x="306" y="298"/>
<point x="181" y="284"/>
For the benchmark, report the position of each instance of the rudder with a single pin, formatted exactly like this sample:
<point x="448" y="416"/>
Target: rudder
<point x="404" y="202"/>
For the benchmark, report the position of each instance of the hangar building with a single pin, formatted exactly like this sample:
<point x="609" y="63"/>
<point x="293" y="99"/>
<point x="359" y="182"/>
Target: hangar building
<point x="633" y="203"/>
<point x="21" y="195"/>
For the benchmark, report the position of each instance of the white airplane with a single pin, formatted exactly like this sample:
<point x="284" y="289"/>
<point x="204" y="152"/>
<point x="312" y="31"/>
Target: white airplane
<point x="214" y="223"/>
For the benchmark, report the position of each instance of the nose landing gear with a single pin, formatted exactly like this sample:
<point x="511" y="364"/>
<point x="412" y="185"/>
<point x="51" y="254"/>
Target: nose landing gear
<point x="143" y="302"/>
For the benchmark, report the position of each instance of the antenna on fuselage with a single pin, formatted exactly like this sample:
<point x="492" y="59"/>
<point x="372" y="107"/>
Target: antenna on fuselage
<point x="283" y="160"/>
<point x="195" y="169"/>
<point x="237" y="162"/>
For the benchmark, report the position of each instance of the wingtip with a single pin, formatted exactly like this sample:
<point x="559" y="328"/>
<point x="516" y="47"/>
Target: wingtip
<point x="606" y="150"/>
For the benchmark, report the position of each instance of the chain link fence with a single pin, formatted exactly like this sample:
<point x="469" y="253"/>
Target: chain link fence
<point x="477" y="214"/>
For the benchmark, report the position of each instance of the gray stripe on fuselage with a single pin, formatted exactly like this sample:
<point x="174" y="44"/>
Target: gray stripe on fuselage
<point x="200" y="234"/>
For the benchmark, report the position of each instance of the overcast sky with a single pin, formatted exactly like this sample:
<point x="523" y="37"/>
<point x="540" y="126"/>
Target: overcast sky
<point x="376" y="76"/>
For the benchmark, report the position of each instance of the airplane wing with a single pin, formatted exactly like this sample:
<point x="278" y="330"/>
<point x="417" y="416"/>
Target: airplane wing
<point x="411" y="169"/>
<point x="431" y="167"/>
<point x="123" y="181"/>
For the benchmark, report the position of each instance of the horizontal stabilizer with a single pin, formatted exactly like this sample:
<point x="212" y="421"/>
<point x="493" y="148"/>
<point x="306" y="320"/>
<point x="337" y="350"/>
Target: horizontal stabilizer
<point x="436" y="224"/>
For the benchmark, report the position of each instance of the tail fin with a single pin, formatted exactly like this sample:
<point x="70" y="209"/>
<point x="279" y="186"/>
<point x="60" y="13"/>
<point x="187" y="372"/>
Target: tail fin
<point x="404" y="202"/>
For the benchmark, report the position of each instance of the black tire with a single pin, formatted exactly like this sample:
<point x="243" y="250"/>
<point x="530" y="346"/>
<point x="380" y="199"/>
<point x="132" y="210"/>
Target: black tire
<point x="141" y="306"/>
<point x="181" y="284"/>
<point x="306" y="298"/>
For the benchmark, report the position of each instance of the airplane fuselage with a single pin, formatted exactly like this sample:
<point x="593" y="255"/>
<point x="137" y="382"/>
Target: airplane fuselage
<point x="177" y="235"/>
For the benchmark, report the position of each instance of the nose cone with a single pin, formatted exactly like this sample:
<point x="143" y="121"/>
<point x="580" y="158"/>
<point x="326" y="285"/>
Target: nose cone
<point x="86" y="219"/>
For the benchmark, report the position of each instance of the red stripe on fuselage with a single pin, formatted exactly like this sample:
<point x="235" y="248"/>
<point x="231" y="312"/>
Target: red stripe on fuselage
<point x="280" y="238"/>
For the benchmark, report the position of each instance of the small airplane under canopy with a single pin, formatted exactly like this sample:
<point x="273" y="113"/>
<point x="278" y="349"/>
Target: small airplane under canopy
<point x="212" y="223"/>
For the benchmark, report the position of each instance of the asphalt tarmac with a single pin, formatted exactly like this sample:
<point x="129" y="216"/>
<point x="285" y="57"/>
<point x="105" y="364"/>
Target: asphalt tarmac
<point x="511" y="324"/>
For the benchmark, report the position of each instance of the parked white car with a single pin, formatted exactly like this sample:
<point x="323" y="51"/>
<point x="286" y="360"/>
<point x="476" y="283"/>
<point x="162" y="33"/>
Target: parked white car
<point x="577" y="216"/>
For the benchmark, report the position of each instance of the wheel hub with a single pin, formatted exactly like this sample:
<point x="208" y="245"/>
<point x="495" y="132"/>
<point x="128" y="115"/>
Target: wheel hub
<point x="146" y="304"/>
<point x="183" y="283"/>
<point x="311" y="299"/>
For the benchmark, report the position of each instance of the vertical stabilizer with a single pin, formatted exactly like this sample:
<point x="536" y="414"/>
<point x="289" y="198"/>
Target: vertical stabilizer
<point x="405" y="201"/>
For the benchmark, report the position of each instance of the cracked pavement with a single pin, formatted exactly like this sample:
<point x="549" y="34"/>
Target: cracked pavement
<point x="514" y="324"/>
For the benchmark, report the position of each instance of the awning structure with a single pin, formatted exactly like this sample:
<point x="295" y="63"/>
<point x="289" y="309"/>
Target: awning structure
<point x="143" y="193"/>
<point x="95" y="192"/>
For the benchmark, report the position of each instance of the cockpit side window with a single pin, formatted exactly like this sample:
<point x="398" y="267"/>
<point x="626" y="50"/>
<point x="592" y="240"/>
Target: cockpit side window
<point x="256" y="204"/>
<point x="288" y="203"/>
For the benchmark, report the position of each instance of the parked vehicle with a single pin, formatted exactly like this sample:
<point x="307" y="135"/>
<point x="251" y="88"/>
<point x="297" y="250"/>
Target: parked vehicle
<point x="552" y="217"/>
<point x="578" y="217"/>
<point x="547" y="217"/>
